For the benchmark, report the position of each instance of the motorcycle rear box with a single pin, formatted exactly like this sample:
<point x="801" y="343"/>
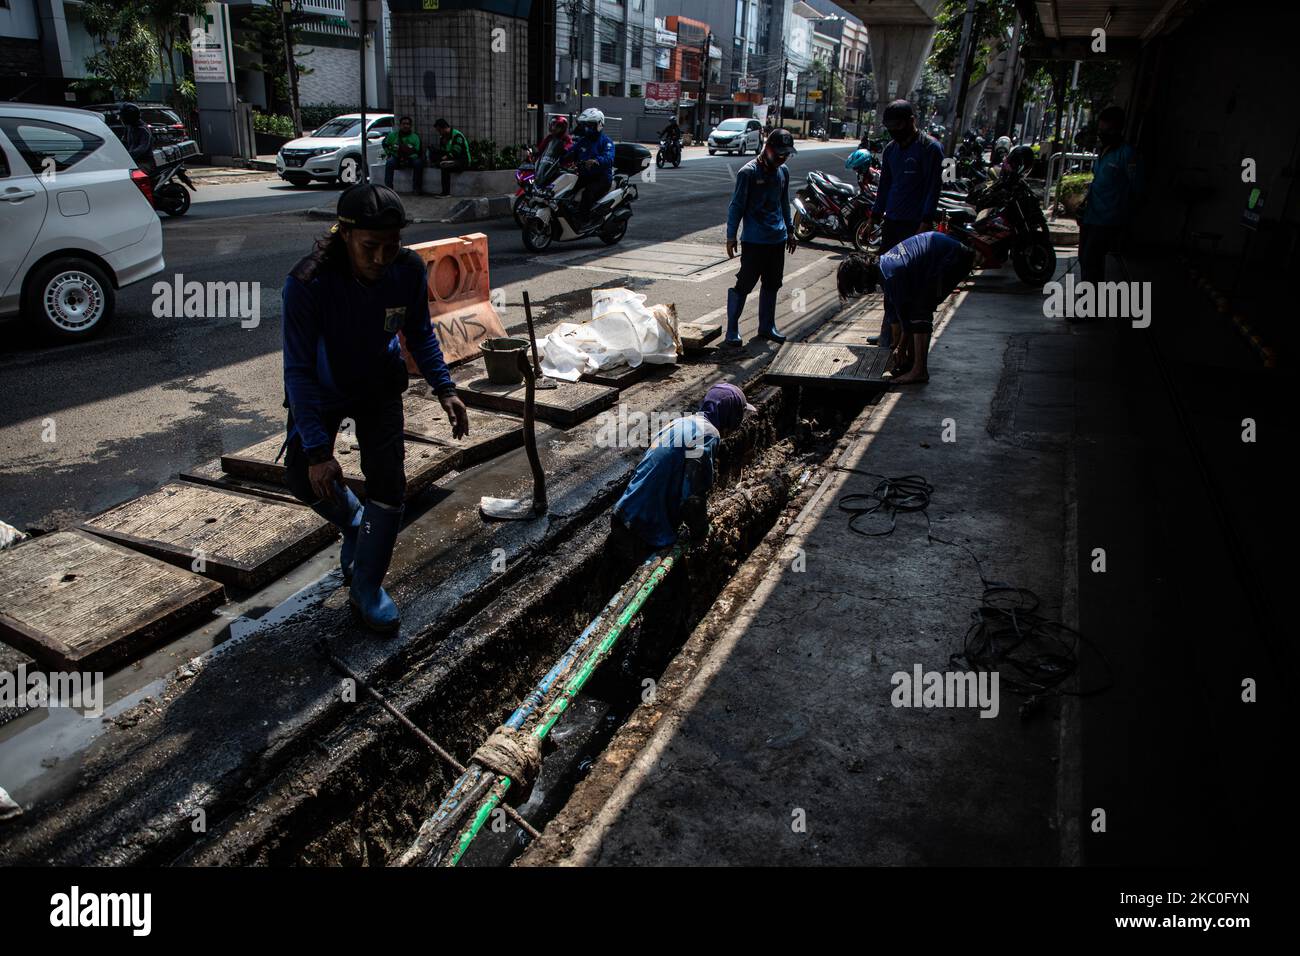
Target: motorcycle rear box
<point x="630" y="158"/>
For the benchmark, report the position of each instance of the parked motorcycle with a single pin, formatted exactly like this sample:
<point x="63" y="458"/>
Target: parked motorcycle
<point x="670" y="151"/>
<point x="1004" y="221"/>
<point x="551" y="210"/>
<point x="829" y="207"/>
<point x="524" y="177"/>
<point x="171" y="183"/>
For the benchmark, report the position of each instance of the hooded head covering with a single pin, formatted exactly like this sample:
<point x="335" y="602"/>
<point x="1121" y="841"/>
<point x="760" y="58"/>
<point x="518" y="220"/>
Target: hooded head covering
<point x="724" y="406"/>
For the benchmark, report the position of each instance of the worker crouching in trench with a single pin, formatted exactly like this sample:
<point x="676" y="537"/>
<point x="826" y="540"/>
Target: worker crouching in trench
<point x="343" y="307"/>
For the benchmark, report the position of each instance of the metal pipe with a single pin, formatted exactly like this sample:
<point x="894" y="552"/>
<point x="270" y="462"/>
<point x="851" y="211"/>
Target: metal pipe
<point x="593" y="659"/>
<point x="470" y="786"/>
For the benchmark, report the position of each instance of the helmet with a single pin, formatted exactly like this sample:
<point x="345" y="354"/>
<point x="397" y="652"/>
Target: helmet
<point x="858" y="159"/>
<point x="590" y="120"/>
<point x="560" y="122"/>
<point x="130" y="113"/>
<point x="1020" y="159"/>
<point x="1003" y="143"/>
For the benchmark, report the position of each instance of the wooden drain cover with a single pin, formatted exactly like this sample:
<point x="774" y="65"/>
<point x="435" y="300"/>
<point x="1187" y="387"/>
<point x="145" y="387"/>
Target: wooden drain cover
<point x="566" y="405"/>
<point x="490" y="433"/>
<point x="833" y="366"/>
<point x="76" y="601"/>
<point x="243" y="540"/>
<point x="425" y="463"/>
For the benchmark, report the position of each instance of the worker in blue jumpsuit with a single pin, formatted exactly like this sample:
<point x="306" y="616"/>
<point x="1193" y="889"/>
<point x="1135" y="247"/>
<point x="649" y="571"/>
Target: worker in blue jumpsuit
<point x="674" y="476"/>
<point x="916" y="275"/>
<point x="343" y="307"/>
<point x="593" y="152"/>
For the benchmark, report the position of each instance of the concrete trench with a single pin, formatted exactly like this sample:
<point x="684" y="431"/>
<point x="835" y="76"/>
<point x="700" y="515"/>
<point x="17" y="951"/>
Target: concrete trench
<point x="358" y="795"/>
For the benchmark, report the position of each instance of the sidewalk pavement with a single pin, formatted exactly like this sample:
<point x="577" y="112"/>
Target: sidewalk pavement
<point x="773" y="739"/>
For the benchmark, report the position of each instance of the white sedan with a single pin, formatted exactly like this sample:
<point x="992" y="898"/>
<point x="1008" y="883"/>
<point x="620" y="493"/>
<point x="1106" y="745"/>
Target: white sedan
<point x="77" y="218"/>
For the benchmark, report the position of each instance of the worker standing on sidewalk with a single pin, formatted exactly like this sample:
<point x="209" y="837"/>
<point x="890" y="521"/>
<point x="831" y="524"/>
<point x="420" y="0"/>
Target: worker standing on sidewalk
<point x="674" y="476"/>
<point x="762" y="201"/>
<point x="343" y="307"/>
<point x="911" y="173"/>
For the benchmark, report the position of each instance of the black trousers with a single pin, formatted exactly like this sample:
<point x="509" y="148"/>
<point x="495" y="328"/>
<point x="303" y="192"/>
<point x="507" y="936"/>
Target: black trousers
<point x="1095" y="243"/>
<point x="760" y="260"/>
<point x="383" y="452"/>
<point x="894" y="231"/>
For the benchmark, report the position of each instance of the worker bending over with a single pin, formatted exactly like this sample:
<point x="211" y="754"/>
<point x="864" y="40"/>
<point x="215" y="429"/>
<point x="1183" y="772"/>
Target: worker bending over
<point x="674" y="476"/>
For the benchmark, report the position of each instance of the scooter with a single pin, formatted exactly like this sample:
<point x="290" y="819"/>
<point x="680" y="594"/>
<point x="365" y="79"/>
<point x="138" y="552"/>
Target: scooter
<point x="551" y="212"/>
<point x="670" y="151"/>
<point x="829" y="207"/>
<point x="170" y="180"/>
<point x="524" y="177"/>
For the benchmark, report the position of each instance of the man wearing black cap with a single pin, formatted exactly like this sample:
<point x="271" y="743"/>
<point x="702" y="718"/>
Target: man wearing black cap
<point x="762" y="201"/>
<point x="343" y="307"/>
<point x="911" y="171"/>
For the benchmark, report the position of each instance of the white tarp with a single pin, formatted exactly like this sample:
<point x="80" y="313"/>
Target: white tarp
<point x="621" y="331"/>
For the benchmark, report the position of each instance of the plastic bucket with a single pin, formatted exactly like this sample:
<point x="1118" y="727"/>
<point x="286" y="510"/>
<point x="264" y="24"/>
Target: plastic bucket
<point x="501" y="356"/>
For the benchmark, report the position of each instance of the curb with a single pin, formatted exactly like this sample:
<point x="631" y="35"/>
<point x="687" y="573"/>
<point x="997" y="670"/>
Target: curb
<point x="467" y="210"/>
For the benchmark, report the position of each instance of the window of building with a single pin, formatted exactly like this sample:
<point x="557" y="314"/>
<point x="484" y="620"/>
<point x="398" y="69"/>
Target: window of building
<point x="638" y="42"/>
<point x="610" y="89"/>
<point x="634" y="90"/>
<point x="611" y="42"/>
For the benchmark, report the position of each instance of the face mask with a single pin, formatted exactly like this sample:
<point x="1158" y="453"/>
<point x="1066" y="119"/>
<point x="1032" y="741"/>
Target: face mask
<point x="899" y="135"/>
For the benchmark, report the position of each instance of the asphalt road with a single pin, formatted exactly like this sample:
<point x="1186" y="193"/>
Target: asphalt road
<point x="155" y="394"/>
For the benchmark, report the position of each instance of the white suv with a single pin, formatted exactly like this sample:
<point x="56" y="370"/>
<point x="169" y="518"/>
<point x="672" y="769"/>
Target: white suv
<point x="77" y="218"/>
<point x="736" y="135"/>
<point x="333" y="152"/>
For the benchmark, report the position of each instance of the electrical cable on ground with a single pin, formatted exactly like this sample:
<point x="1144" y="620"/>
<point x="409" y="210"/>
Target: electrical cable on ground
<point x="1033" y="654"/>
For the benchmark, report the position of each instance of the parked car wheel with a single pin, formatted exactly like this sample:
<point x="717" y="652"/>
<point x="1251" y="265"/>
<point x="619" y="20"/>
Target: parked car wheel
<point x="69" y="298"/>
<point x="712" y="151"/>
<point x="298" y="182"/>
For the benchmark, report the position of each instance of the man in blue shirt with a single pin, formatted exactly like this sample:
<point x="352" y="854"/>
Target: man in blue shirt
<point x="916" y="275"/>
<point x="343" y="307"/>
<point x="594" y="153"/>
<point x="911" y="171"/>
<point x="674" y="476"/>
<point x="1116" y="184"/>
<point x="762" y="200"/>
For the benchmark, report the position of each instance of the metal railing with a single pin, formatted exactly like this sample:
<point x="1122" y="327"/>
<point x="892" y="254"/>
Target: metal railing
<point x="1051" y="165"/>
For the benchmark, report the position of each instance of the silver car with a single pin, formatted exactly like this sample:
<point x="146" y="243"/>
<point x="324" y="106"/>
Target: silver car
<point x="77" y="218"/>
<point x="736" y="135"/>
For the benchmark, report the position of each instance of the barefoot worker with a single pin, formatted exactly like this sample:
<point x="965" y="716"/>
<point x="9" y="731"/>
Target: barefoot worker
<point x="916" y="275"/>
<point x="343" y="307"/>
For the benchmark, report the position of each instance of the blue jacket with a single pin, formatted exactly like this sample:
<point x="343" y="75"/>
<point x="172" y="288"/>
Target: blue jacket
<point x="912" y="270"/>
<point x="677" y="465"/>
<point x="601" y="149"/>
<point x="340" y="340"/>
<point x="762" y="200"/>
<point x="910" y="180"/>
<point x="1116" y="185"/>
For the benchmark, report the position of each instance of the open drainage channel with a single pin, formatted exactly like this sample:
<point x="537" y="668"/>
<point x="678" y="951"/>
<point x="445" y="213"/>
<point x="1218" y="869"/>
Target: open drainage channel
<point x="364" y="795"/>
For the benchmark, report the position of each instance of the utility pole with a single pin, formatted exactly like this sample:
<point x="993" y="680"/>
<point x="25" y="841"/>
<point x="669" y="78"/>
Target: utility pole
<point x="365" y="142"/>
<point x="780" y="97"/>
<point x="963" y="75"/>
<point x="704" y="77"/>
<point x="286" y="11"/>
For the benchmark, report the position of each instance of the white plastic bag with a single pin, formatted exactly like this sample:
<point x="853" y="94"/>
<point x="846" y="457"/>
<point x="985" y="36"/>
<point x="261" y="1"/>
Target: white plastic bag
<point x="622" y="331"/>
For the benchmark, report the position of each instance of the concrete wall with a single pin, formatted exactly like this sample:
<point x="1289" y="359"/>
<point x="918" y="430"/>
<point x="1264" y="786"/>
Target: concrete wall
<point x="456" y="66"/>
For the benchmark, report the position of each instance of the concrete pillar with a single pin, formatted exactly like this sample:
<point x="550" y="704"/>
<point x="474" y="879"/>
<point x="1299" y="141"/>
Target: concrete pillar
<point x="898" y="53"/>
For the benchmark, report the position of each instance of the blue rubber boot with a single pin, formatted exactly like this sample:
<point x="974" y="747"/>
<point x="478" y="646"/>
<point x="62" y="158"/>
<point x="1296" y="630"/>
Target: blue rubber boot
<point x="375" y="541"/>
<point x="735" y="306"/>
<point x="346" y="516"/>
<point x="767" y="316"/>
